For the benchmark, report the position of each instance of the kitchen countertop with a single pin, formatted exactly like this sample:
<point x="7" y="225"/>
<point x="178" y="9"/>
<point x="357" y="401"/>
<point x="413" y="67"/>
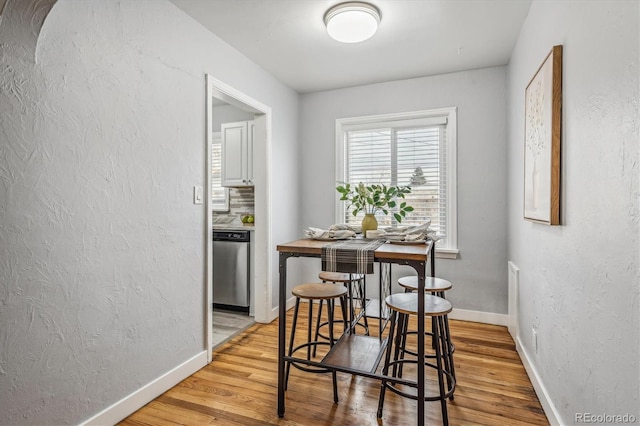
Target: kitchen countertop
<point x="233" y="227"/>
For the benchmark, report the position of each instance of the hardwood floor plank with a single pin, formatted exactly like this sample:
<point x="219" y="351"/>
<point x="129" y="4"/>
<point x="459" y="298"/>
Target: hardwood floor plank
<point x="239" y="387"/>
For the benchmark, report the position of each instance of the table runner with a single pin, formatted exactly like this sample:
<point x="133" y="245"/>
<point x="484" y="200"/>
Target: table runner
<point x="353" y="256"/>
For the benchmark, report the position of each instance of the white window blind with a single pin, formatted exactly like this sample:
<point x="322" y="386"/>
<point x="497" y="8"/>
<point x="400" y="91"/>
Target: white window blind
<point x="411" y="151"/>
<point x="219" y="194"/>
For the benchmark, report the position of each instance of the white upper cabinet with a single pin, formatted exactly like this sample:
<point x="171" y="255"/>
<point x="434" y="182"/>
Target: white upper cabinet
<point x="237" y="153"/>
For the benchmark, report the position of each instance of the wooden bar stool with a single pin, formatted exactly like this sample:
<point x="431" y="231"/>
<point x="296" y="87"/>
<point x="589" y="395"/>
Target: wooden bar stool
<point x="403" y="305"/>
<point x="431" y="284"/>
<point x="356" y="281"/>
<point x="311" y="292"/>
<point x="437" y="287"/>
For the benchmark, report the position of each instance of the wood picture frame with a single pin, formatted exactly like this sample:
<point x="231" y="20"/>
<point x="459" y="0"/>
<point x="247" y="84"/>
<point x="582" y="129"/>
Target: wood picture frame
<point x="542" y="138"/>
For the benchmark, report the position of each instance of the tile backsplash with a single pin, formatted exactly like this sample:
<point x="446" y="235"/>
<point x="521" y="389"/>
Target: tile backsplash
<point x="241" y="202"/>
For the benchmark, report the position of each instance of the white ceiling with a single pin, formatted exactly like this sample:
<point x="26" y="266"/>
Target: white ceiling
<point x="416" y="38"/>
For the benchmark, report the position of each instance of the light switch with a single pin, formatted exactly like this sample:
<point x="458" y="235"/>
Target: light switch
<point x="197" y="195"/>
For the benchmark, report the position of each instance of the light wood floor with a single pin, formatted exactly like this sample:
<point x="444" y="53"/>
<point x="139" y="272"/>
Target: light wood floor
<point x="240" y="388"/>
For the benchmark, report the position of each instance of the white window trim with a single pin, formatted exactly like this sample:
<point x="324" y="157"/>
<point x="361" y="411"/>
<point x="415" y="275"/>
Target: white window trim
<point x="216" y="136"/>
<point x="343" y="125"/>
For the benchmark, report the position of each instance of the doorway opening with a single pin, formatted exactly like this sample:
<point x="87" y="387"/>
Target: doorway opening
<point x="228" y="206"/>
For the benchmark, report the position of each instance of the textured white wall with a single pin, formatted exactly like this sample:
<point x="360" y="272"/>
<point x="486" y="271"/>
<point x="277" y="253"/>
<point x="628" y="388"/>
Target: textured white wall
<point x="579" y="281"/>
<point x="101" y="249"/>
<point x="480" y="273"/>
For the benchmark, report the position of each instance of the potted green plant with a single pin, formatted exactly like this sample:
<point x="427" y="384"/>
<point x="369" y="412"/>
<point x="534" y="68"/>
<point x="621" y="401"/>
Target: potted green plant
<point x="373" y="198"/>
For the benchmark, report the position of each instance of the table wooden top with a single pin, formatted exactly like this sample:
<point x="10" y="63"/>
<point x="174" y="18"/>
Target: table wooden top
<point x="310" y="247"/>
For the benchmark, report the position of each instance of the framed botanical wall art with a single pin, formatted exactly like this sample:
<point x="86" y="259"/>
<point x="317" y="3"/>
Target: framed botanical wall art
<point x="543" y="119"/>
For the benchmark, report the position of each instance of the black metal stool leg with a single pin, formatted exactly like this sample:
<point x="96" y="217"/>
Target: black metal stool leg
<point x="387" y="359"/>
<point x="330" y="309"/>
<point x="450" y="348"/>
<point x="364" y="303"/>
<point x="345" y="317"/>
<point x="317" y="334"/>
<point x="309" y="329"/>
<point x="451" y="368"/>
<point x="291" y="340"/>
<point x="446" y="354"/>
<point x="330" y="313"/>
<point x="401" y="341"/>
<point x="443" y="400"/>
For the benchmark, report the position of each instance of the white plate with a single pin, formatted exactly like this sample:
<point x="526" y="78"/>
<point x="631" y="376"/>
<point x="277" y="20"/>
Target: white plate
<point x="397" y="230"/>
<point x="332" y="239"/>
<point x="408" y="242"/>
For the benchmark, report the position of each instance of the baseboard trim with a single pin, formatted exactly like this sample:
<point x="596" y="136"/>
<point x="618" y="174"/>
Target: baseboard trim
<point x="457" y="314"/>
<point x="479" y="316"/>
<point x="545" y="400"/>
<point x="129" y="404"/>
<point x="276" y="311"/>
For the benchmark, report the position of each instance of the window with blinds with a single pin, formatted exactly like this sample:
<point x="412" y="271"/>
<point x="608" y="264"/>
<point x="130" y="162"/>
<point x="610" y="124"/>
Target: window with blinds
<point x="408" y="149"/>
<point x="219" y="194"/>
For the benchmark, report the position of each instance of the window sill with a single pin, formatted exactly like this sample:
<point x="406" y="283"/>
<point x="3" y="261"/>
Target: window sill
<point x="442" y="253"/>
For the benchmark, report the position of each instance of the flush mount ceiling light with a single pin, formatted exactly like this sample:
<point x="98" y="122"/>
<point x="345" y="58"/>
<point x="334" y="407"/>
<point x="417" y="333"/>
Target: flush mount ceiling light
<point x="352" y="22"/>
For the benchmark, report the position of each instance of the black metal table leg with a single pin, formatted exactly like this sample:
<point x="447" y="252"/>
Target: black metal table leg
<point x="282" y="327"/>
<point x="420" y="268"/>
<point x="420" y="378"/>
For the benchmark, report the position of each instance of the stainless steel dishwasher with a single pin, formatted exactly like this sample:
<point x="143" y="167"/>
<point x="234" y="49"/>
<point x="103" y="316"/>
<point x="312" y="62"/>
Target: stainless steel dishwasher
<point x="231" y="269"/>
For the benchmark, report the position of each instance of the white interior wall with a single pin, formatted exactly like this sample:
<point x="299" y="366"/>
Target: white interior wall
<point x="228" y="114"/>
<point x="102" y="138"/>
<point x="579" y="281"/>
<point x="479" y="274"/>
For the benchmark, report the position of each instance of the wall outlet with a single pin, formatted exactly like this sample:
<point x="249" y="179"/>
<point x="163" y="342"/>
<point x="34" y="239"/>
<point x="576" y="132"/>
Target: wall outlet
<point x="534" y="338"/>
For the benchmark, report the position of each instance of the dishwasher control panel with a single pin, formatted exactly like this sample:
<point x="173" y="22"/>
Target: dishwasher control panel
<point x="239" y="236"/>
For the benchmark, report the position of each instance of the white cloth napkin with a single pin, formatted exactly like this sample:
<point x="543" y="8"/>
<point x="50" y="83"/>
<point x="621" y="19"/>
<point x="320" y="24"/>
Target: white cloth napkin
<point x="420" y="232"/>
<point x="341" y="234"/>
<point x="341" y="227"/>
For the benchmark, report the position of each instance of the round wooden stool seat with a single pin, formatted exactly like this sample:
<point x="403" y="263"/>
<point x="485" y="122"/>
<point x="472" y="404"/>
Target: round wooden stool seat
<point x="319" y="291"/>
<point x="339" y="277"/>
<point x="407" y="303"/>
<point x="431" y="284"/>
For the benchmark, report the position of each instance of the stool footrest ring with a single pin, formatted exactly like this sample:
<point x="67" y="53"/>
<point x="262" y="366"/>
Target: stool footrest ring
<point x="448" y="392"/>
<point x="309" y="369"/>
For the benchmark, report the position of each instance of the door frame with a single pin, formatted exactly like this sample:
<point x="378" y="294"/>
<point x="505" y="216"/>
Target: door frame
<point x="262" y="294"/>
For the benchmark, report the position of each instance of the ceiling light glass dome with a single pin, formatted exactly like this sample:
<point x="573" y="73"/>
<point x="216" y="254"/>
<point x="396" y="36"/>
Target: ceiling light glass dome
<point x="352" y="22"/>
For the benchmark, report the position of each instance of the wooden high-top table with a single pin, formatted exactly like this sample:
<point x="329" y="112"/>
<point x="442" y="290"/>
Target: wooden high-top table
<point x="356" y="354"/>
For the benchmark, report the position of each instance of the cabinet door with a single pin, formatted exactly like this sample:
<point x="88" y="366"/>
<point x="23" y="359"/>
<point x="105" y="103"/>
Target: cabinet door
<point x="234" y="153"/>
<point x="251" y="131"/>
